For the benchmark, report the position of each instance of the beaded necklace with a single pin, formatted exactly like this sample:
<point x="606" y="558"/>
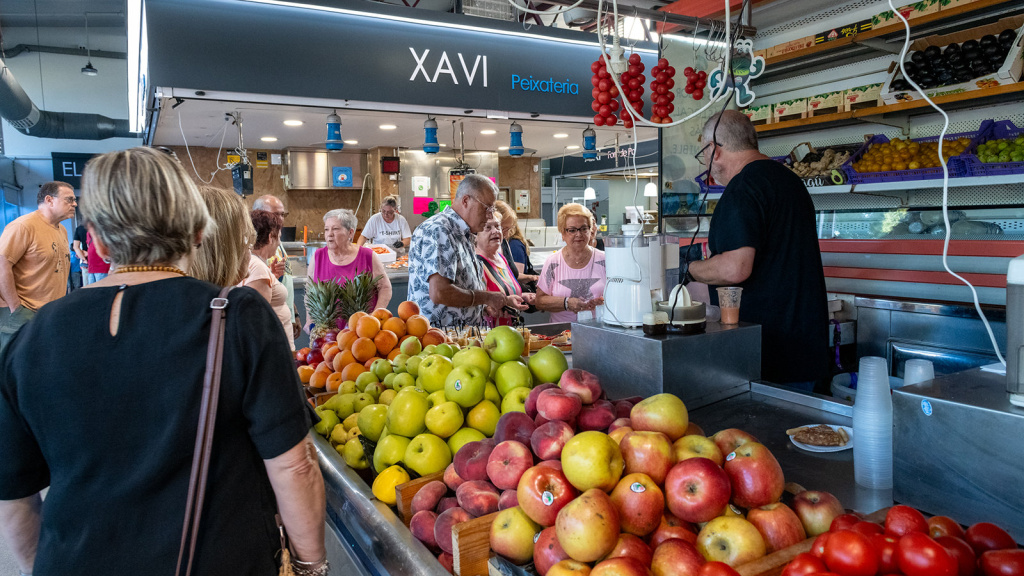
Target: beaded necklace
<point x="124" y="269"/>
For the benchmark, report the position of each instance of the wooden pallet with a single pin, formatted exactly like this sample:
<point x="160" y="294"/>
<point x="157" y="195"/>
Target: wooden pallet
<point x="405" y="493"/>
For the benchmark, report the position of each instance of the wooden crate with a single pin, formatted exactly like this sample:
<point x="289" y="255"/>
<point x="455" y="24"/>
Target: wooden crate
<point x="772" y="564"/>
<point x="471" y="542"/>
<point x="405" y="493"/>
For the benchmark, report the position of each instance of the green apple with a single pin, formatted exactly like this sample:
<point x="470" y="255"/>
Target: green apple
<point x="547" y="365"/>
<point x="348" y="387"/>
<point x="513" y="374"/>
<point x="427" y="454"/>
<point x="383" y="434"/>
<point x="389" y="380"/>
<point x="491" y="393"/>
<point x="463" y="437"/>
<point x="328" y="420"/>
<point x="465" y="385"/>
<point x="353" y="454"/>
<point x="433" y="371"/>
<point x="484" y="417"/>
<point x="362" y="400"/>
<point x="428" y="350"/>
<point x="436" y="398"/>
<point x="389" y="451"/>
<point x="413" y="365"/>
<point x="444" y="349"/>
<point x="515" y="400"/>
<point x="399" y="363"/>
<point x="371" y="421"/>
<point x="504" y="343"/>
<point x="340" y="403"/>
<point x="403" y="381"/>
<point x="411" y="346"/>
<point x="493" y="369"/>
<point x="474" y="356"/>
<point x="444" y="419"/>
<point x="386" y="397"/>
<point x="407" y="412"/>
<point x="381" y="368"/>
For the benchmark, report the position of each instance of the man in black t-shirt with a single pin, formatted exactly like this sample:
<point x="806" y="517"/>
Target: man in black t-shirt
<point x="763" y="238"/>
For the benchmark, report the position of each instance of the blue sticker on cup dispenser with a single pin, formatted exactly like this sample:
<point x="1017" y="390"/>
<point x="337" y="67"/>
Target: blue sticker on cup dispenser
<point x="926" y="407"/>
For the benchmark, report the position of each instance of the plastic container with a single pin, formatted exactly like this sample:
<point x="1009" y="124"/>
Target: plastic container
<point x="992" y="130"/>
<point x="957" y="165"/>
<point x="872" y="425"/>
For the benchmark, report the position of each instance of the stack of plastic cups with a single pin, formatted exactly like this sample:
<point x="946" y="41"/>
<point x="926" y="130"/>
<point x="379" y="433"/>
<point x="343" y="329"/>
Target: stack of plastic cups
<point x="918" y="370"/>
<point x="872" y="425"/>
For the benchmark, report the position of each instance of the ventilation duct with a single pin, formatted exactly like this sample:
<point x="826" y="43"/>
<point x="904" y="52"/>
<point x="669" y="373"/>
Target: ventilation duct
<point x="18" y="109"/>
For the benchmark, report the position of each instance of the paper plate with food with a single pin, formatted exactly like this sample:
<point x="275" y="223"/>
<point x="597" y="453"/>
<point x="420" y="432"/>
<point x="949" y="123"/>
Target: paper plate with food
<point x="821" y="437"/>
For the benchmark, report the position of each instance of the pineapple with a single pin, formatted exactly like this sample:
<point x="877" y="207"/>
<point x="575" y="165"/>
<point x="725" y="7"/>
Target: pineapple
<point x="322" y="302"/>
<point x="357" y="293"/>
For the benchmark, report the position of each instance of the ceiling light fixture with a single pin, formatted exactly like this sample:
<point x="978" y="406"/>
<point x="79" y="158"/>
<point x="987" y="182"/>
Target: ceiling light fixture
<point x="651" y="190"/>
<point x="293" y="122"/>
<point x="572" y="147"/>
<point x="89" y="69"/>
<point x="561" y="135"/>
<point x="351" y="142"/>
<point x="488" y="132"/>
<point x="268" y="139"/>
<point x="589" y="193"/>
<point x="387" y="127"/>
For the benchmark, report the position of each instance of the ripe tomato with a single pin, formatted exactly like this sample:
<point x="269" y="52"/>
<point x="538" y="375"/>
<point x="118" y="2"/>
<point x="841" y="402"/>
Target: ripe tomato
<point x="985" y="536"/>
<point x="961" y="551"/>
<point x="818" y="546"/>
<point x="717" y="569"/>
<point x="902" y="520"/>
<point x="918" y="555"/>
<point x="867" y="528"/>
<point x="843" y="522"/>
<point x="885" y="552"/>
<point x="944" y="526"/>
<point x="850" y="553"/>
<point x="1002" y="562"/>
<point x="803" y="564"/>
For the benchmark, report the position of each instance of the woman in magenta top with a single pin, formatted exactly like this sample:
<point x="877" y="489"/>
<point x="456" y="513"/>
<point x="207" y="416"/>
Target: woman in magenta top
<point x="341" y="260"/>
<point x="573" y="278"/>
<point x="497" y="271"/>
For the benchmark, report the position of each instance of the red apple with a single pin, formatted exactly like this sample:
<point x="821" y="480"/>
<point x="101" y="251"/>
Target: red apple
<point x="778" y="524"/>
<point x="582" y="383"/>
<point x="698" y="489"/>
<point x="619" y="433"/>
<point x="816" y="510"/>
<point x="556" y="464"/>
<point x="506" y="464"/>
<point x="314" y="356"/>
<point x="676" y="558"/>
<point x="694" y="429"/>
<point x="755" y="475"/>
<point x="514" y="426"/>
<point x="630" y="546"/>
<point x="531" y="401"/>
<point x="557" y="404"/>
<point x="672" y="528"/>
<point x="471" y="460"/>
<point x="477" y="497"/>
<point x="549" y="438"/>
<point x="547" y="551"/>
<point x="300" y="358"/>
<point x="732" y="540"/>
<point x="730" y="439"/>
<point x="542" y="492"/>
<point x="696" y="446"/>
<point x="588" y="527"/>
<point x="597" y="416"/>
<point x="640" y="503"/>
<point x="620" y="566"/>
<point x="648" y="453"/>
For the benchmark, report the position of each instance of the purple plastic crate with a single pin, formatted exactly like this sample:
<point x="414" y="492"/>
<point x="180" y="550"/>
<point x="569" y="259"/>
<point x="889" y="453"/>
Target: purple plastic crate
<point x="992" y="130"/>
<point x="956" y="165"/>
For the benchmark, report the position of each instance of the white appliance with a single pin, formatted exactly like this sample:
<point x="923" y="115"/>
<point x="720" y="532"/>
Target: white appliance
<point x="1015" y="331"/>
<point x="635" y="276"/>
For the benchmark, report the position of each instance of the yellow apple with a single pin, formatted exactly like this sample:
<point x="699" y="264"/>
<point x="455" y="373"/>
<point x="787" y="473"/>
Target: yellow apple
<point x="592" y="460"/>
<point x="433" y="370"/>
<point x="436" y="398"/>
<point x="444" y="419"/>
<point x="407" y="412"/>
<point x="694" y="446"/>
<point x="512" y="535"/>
<point x="462" y="437"/>
<point x="491" y="393"/>
<point x="515" y="400"/>
<point x="371" y="421"/>
<point x="484" y="417"/>
<point x="732" y="540"/>
<point x="427" y="454"/>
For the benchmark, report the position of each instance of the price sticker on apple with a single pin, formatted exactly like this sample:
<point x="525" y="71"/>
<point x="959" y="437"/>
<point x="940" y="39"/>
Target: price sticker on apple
<point x="536" y="537"/>
<point x="547" y="498"/>
<point x="637" y="487"/>
<point x="730" y="456"/>
<point x="458" y="385"/>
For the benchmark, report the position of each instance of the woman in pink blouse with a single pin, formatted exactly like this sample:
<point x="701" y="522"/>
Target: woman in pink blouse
<point x="497" y="271"/>
<point x="573" y="278"/>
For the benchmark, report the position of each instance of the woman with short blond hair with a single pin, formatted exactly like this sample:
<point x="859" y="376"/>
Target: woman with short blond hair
<point x="573" y="278"/>
<point x="223" y="257"/>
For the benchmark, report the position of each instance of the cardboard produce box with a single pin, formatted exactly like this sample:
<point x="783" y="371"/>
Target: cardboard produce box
<point x="1008" y="73"/>
<point x="828" y="103"/>
<point x="910" y="11"/>
<point x="790" y="110"/>
<point x="947" y="4"/>
<point x="759" y="114"/>
<point x="791" y="46"/>
<point x="862" y="97"/>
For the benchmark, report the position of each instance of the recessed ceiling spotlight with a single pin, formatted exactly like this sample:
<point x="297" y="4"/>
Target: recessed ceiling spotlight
<point x="293" y="122"/>
<point x="488" y="132"/>
<point x="572" y="147"/>
<point x="387" y="127"/>
<point x="269" y="139"/>
<point x="443" y="145"/>
<point x="351" y="142"/>
<point x="563" y="135"/>
<point x="502" y="147"/>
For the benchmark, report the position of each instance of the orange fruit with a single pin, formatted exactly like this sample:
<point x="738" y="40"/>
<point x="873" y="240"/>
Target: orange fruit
<point x="329" y="355"/>
<point x="345" y="338"/>
<point x="353" y="320"/>
<point x="367" y="327"/>
<point x="304" y="373"/>
<point x="334" y="382"/>
<point x="394" y="353"/>
<point x="343" y="359"/>
<point x="370" y="362"/>
<point x="417" y="325"/>
<point x="381" y="314"/>
<point x="407" y="310"/>
<point x="433" y="336"/>
<point x="352" y="371"/>
<point x="385" y="340"/>
<point x="362" y="350"/>
<point x="396" y="325"/>
<point x="318" y="379"/>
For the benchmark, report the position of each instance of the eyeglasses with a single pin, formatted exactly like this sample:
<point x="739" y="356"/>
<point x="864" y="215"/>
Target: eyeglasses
<point x="700" y="155"/>
<point x="388" y="212"/>
<point x="70" y="200"/>
<point x="580" y="230"/>
<point x="488" y="209"/>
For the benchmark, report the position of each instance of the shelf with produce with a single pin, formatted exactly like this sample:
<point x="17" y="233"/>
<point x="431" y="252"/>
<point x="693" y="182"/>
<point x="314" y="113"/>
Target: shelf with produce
<point x="886" y="39"/>
<point x="985" y="96"/>
<point x="919" y="184"/>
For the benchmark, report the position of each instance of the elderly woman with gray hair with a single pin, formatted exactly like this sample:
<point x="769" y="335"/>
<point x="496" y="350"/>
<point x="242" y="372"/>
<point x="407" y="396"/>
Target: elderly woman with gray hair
<point x="341" y="260"/>
<point x="131" y="400"/>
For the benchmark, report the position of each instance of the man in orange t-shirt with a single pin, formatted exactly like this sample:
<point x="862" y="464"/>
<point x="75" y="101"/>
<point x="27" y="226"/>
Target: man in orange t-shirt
<point x="36" y="258"/>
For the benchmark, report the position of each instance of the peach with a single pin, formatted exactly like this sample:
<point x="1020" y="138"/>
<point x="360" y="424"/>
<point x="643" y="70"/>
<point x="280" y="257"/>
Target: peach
<point x="548" y="439"/>
<point x="531" y="400"/>
<point x="382" y="314"/>
<point x="506" y="464"/>
<point x="433" y="336"/>
<point x="416" y="325"/>
<point x="422" y="527"/>
<point x="428" y="496"/>
<point x="385" y="341"/>
<point x="396" y="325"/>
<point x="451" y="477"/>
<point x="443" y="526"/>
<point x="447" y="503"/>
<point x="599" y="415"/>
<point x="623" y="408"/>
<point x="367" y="327"/>
<point x="471" y="460"/>
<point x="408" y="309"/>
<point x="508" y="499"/>
<point x="557" y="404"/>
<point x="516" y="426"/>
<point x="582" y="383"/>
<point x="477" y="497"/>
<point x="447" y="562"/>
<point x="363" y="349"/>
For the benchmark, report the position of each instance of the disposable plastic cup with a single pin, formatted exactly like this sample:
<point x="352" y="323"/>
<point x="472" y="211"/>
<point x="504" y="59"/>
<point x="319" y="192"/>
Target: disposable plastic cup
<point x="918" y="370"/>
<point x="729" y="302"/>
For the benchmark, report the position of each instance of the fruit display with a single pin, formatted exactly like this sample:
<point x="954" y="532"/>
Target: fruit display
<point x="1001" y="150"/>
<point x="900" y="154"/>
<point x="956" y="63"/>
<point x="907" y="543"/>
<point x="820" y="163"/>
<point x="327" y="301"/>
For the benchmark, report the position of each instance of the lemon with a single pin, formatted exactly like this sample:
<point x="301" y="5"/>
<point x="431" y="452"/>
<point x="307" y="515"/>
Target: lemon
<point x="385" y="483"/>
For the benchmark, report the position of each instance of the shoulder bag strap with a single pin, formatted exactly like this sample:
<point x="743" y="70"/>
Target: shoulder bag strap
<point x="204" y="436"/>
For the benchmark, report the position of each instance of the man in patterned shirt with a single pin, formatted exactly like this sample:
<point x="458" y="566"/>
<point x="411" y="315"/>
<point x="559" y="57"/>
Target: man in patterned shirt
<point x="445" y="276"/>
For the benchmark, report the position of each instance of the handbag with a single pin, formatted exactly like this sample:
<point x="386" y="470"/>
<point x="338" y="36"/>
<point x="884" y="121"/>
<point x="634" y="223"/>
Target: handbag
<point x="204" y="443"/>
